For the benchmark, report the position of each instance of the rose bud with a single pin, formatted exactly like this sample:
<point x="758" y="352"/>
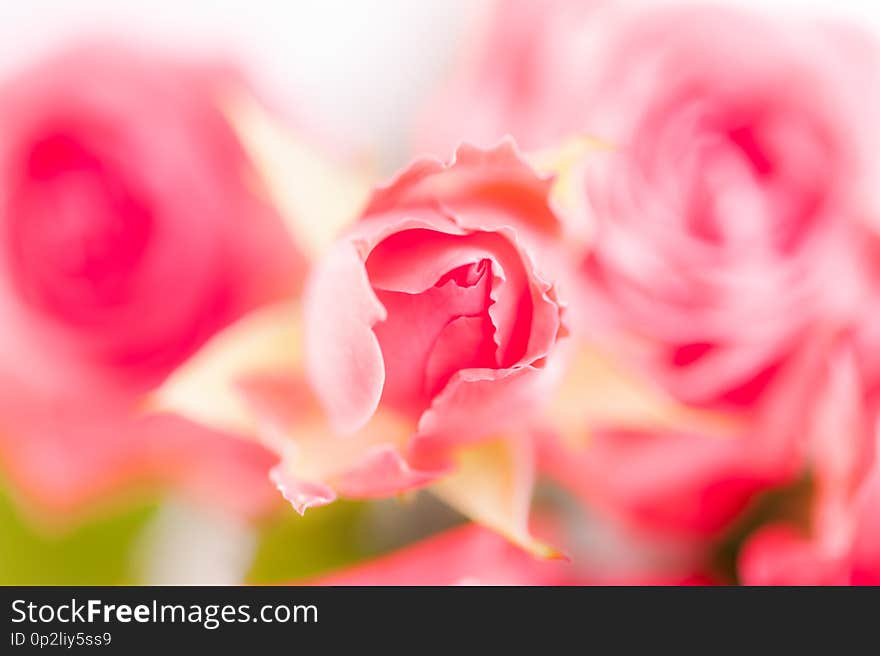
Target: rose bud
<point x="425" y="347"/>
<point x="447" y="318"/>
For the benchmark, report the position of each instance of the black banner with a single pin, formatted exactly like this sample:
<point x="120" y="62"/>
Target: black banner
<point x="149" y="619"/>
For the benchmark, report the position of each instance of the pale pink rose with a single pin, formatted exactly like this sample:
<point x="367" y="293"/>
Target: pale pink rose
<point x="730" y="222"/>
<point x="729" y="218"/>
<point x="133" y="228"/>
<point x="427" y="327"/>
<point x="730" y="229"/>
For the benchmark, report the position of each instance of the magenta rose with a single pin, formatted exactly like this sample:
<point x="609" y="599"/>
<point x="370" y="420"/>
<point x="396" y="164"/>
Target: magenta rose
<point x="133" y="227"/>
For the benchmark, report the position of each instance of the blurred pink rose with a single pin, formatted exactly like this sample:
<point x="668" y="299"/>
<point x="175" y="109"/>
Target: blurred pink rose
<point x="730" y="231"/>
<point x="839" y="541"/>
<point x="133" y="228"/>
<point x="729" y="221"/>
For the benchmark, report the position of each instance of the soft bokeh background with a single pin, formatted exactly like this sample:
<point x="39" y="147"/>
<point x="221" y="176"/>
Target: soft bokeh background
<point x="358" y="70"/>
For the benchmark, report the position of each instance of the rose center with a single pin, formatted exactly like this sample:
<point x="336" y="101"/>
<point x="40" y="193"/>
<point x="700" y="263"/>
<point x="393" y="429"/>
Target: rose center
<point x="76" y="233"/>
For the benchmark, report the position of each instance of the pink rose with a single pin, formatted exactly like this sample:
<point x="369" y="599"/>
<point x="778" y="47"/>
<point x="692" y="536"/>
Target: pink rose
<point x="434" y="304"/>
<point x="730" y="227"/>
<point x="429" y="331"/>
<point x="133" y="229"/>
<point x="730" y="224"/>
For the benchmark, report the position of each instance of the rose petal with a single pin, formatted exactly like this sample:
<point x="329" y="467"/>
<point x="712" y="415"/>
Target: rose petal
<point x="414" y="324"/>
<point x="465" y="343"/>
<point x="414" y="260"/>
<point x="781" y="555"/>
<point x="469" y="555"/>
<point x="866" y="546"/>
<point x="686" y="484"/>
<point x="366" y="464"/>
<point x="302" y="495"/>
<point x="484" y="189"/>
<point x="383" y="472"/>
<point x="343" y="358"/>
<point x="475" y="399"/>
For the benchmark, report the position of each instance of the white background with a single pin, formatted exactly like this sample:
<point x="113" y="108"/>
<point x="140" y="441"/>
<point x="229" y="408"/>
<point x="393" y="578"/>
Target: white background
<point x="357" y="68"/>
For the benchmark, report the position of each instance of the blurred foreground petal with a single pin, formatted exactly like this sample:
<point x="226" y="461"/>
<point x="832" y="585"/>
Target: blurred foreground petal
<point x="469" y="555"/>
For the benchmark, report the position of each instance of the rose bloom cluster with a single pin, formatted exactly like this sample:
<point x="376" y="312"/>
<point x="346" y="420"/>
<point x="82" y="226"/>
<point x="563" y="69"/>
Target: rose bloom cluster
<point x="634" y="265"/>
